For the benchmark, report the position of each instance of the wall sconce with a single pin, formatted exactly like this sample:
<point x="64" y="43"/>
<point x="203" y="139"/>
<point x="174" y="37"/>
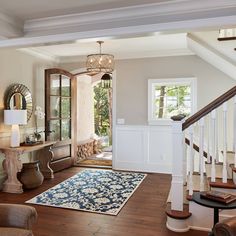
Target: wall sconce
<point x="15" y="118"/>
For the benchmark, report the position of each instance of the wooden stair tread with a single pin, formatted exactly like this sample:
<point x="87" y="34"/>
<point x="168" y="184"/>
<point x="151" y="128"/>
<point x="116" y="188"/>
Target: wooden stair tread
<point x="218" y="184"/>
<point x="181" y="215"/>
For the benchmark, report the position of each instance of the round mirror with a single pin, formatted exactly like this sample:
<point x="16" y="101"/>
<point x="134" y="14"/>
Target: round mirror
<point x="18" y="102"/>
<point x="18" y="97"/>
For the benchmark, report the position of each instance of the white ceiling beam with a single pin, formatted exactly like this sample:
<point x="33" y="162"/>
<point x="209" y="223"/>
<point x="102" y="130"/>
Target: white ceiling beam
<point x="211" y="55"/>
<point x="171" y="15"/>
<point x="10" y="26"/>
<point x="164" y="12"/>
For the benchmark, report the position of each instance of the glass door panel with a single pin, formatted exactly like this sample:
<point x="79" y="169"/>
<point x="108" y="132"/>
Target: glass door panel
<point x="54" y="126"/>
<point x="65" y="107"/>
<point x="55" y="106"/>
<point x="65" y="131"/>
<point x="54" y="84"/>
<point x="65" y="86"/>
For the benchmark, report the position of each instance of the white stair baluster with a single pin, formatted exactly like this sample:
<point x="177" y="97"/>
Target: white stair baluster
<point x="224" y="170"/>
<point x="191" y="161"/>
<point x="209" y="140"/>
<point x="201" y="159"/>
<point x="234" y="134"/>
<point x="216" y="137"/>
<point x="213" y="146"/>
<point x="185" y="162"/>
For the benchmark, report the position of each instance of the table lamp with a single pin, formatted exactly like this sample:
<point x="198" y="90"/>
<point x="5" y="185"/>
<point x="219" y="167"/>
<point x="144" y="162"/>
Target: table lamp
<point x="15" y="118"/>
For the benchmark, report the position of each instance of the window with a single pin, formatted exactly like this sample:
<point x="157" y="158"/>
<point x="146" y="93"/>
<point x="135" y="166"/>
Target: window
<point x="169" y="97"/>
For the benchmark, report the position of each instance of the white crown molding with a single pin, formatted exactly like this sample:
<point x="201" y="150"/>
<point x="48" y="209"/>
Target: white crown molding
<point x="211" y="55"/>
<point x="10" y="26"/>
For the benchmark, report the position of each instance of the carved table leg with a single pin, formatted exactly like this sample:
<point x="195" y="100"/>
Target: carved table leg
<point x="12" y="165"/>
<point x="45" y="156"/>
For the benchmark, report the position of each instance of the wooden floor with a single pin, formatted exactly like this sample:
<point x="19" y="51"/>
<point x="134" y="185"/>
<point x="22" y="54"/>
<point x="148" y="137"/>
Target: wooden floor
<point x="142" y="215"/>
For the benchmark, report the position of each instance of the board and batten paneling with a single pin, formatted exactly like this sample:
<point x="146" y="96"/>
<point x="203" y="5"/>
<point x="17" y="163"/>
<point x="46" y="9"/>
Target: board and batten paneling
<point x="143" y="148"/>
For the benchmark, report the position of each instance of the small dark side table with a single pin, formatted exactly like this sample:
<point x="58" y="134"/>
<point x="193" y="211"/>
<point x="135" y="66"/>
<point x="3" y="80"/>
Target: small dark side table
<point x="212" y="204"/>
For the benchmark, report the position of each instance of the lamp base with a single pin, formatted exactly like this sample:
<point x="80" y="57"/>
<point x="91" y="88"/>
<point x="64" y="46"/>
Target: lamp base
<point x="15" y="136"/>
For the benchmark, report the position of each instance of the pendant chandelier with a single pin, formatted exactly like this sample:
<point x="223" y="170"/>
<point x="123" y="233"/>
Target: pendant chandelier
<point x="100" y="62"/>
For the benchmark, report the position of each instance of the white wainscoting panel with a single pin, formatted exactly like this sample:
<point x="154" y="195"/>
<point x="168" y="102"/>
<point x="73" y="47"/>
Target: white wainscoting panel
<point x="143" y="148"/>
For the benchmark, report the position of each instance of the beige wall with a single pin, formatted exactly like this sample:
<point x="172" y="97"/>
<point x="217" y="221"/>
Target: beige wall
<point x="132" y="80"/>
<point x="19" y="67"/>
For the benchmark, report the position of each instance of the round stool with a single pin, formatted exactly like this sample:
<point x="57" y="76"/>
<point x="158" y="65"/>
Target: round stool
<point x="30" y="175"/>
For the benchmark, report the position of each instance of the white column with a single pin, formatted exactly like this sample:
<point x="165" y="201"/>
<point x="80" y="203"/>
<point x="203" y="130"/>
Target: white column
<point x="177" y="167"/>
<point x="201" y="156"/>
<point x="224" y="170"/>
<point x="213" y="146"/>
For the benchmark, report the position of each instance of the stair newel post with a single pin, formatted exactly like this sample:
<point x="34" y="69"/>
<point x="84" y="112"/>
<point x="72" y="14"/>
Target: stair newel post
<point x="201" y="156"/>
<point x="224" y="170"/>
<point x="191" y="161"/>
<point x="177" y="164"/>
<point x="209" y="139"/>
<point x="234" y="134"/>
<point x="213" y="146"/>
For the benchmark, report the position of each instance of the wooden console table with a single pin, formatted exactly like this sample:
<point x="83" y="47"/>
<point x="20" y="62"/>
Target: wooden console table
<point x="12" y="164"/>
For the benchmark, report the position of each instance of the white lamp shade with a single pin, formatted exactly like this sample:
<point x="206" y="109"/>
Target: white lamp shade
<point x="15" y="117"/>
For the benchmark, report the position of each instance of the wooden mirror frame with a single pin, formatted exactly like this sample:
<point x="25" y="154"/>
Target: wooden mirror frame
<point x="25" y="92"/>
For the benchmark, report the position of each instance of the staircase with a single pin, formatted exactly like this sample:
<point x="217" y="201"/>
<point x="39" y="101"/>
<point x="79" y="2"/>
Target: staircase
<point x="208" y="164"/>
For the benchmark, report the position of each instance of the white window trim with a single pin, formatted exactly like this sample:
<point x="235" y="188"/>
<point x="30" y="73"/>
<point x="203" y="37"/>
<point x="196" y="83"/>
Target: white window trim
<point x="192" y="81"/>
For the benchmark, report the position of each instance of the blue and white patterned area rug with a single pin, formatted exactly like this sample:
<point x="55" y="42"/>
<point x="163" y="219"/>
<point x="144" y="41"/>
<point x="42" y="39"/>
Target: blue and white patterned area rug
<point x="99" y="191"/>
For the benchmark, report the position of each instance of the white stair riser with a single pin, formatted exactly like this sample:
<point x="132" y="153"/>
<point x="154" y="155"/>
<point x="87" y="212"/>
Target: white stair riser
<point x="177" y="225"/>
<point x="218" y="171"/>
<point x="234" y="177"/>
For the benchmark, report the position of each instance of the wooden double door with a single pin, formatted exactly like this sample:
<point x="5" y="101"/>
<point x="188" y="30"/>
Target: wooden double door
<point x="60" y="116"/>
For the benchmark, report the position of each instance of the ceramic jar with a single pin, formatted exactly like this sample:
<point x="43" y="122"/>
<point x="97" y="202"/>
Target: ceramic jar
<point x="30" y="175"/>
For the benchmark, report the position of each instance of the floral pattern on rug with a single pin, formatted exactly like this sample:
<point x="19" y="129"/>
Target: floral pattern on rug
<point x="99" y="191"/>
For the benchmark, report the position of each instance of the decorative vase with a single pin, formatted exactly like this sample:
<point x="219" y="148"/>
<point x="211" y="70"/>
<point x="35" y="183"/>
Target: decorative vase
<point x="37" y="136"/>
<point x="30" y="175"/>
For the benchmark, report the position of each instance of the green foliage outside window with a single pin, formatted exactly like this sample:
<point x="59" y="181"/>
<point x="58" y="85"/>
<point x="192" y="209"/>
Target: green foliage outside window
<point x="172" y="100"/>
<point x="101" y="110"/>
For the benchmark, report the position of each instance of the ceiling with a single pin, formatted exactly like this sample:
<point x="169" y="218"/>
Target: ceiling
<point x="123" y="48"/>
<point x="32" y="9"/>
<point x="24" y="23"/>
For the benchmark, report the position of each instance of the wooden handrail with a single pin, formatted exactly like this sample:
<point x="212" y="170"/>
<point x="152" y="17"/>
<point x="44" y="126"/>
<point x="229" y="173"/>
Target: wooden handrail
<point x="211" y="106"/>
<point x="195" y="147"/>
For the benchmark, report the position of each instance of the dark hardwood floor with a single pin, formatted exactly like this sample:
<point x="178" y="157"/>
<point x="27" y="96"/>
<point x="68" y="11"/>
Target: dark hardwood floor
<point x="142" y="215"/>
